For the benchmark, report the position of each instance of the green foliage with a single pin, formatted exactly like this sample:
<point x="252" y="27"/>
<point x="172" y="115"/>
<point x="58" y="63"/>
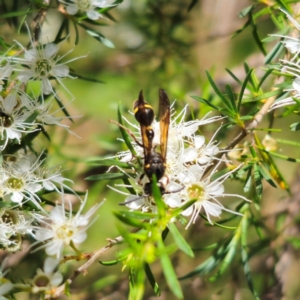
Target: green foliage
<point x="157" y="53"/>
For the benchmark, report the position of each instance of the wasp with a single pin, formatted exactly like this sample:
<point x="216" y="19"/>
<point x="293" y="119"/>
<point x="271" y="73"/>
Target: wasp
<point x="154" y="162"/>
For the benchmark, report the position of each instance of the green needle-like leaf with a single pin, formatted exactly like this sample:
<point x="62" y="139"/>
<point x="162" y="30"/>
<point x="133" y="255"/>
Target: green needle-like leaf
<point x="109" y="162"/>
<point x="124" y="133"/>
<point x="248" y="76"/>
<point x="208" y="265"/>
<point x="161" y="206"/>
<point x="257" y="182"/>
<point x="218" y="92"/>
<point x="98" y="36"/>
<point x="231" y="97"/>
<point x="277" y="49"/>
<point x="106" y="176"/>
<point x="245" y="257"/>
<point x="130" y="221"/>
<point x="266" y="176"/>
<point x="230" y="255"/>
<point x="204" y="101"/>
<point x="169" y="272"/>
<point x="152" y="280"/>
<point x="180" y="241"/>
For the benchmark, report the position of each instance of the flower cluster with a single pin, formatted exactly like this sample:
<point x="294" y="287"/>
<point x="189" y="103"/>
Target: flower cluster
<point x="86" y="6"/>
<point x="14" y="224"/>
<point x="290" y="66"/>
<point x="60" y="228"/>
<point x="20" y="113"/>
<point x="23" y="178"/>
<point x="24" y="175"/>
<point x="187" y="176"/>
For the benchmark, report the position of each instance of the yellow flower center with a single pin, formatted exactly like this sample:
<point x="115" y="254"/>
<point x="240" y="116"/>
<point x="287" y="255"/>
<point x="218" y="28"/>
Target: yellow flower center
<point x="5" y="120"/>
<point x="196" y="191"/>
<point x="84" y="5"/>
<point x="64" y="232"/>
<point x="43" y="67"/>
<point x="15" y="184"/>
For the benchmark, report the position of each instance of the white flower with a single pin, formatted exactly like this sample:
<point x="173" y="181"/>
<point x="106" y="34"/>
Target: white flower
<point x="42" y="64"/>
<point x="6" y="232"/>
<point x="13" y="115"/>
<point x="204" y="190"/>
<point x="200" y="152"/>
<point x="13" y="225"/>
<point x="46" y="279"/>
<point x="19" y="181"/>
<point x="5" y="72"/>
<point x="51" y="179"/>
<point x="86" y="6"/>
<point x="62" y="228"/>
<point x="46" y="115"/>
<point x="291" y="67"/>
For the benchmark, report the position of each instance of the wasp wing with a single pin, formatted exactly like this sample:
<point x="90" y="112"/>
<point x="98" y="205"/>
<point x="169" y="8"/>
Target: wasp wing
<point x="164" y="117"/>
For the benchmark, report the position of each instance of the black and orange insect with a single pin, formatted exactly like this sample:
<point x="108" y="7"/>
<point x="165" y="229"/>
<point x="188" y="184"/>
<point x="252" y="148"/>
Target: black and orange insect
<point x="154" y="162"/>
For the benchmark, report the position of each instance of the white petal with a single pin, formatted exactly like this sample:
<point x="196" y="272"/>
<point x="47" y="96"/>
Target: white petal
<point x="31" y="55"/>
<point x="212" y="209"/>
<point x="9" y="103"/>
<point x="48" y="185"/>
<point x="135" y="201"/>
<point x="43" y="234"/>
<point x="196" y="171"/>
<point x="188" y="130"/>
<point x="56" y="279"/>
<point x="199" y="141"/>
<point x="34" y="187"/>
<point x="173" y="200"/>
<point x="13" y="134"/>
<point x="190" y="154"/>
<point x="46" y="86"/>
<point x="188" y="211"/>
<point x="72" y="9"/>
<point x="60" y="71"/>
<point x="100" y="3"/>
<point x="292" y="46"/>
<point x="17" y="197"/>
<point x="93" y="15"/>
<point x="216" y="189"/>
<point x="24" y="76"/>
<point x="50" y="50"/>
<point x="296" y="84"/>
<point x="57" y="214"/>
<point x="50" y="264"/>
<point x="55" y="248"/>
<point x="79" y="237"/>
<point x="5" y="288"/>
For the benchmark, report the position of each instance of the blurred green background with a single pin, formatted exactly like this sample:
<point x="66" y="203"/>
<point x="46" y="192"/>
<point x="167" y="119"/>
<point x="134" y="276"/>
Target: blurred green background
<point x="158" y="44"/>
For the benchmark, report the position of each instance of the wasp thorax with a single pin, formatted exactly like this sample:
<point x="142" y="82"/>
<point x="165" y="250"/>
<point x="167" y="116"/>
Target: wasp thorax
<point x="155" y="166"/>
